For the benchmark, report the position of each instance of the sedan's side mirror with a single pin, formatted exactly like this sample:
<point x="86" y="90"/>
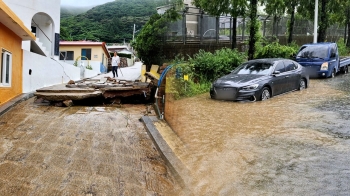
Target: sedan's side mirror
<point x="276" y="72"/>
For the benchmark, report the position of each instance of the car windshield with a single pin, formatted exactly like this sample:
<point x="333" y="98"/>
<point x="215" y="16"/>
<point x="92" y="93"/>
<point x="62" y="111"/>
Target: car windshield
<point x="316" y="51"/>
<point x="254" y="68"/>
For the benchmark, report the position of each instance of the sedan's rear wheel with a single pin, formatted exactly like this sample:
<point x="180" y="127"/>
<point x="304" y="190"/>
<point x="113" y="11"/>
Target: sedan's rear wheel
<point x="302" y="84"/>
<point x="266" y="94"/>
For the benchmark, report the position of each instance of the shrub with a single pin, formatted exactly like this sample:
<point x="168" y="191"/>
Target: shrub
<point x="208" y="66"/>
<point x="275" y="50"/>
<point x="202" y="70"/>
<point x="343" y="50"/>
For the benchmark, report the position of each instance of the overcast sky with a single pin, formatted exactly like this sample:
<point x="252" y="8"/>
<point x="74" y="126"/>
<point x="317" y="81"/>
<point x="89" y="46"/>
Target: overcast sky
<point x="83" y="3"/>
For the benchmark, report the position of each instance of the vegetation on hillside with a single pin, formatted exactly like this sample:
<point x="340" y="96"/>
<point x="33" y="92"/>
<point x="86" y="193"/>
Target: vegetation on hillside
<point x="112" y="22"/>
<point x="67" y="11"/>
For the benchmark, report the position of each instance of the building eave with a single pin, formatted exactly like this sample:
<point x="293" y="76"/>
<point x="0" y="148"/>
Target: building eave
<point x="14" y="23"/>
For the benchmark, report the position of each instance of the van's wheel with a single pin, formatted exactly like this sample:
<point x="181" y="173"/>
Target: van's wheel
<point x="302" y="84"/>
<point x="333" y="73"/>
<point x="346" y="69"/>
<point x="266" y="94"/>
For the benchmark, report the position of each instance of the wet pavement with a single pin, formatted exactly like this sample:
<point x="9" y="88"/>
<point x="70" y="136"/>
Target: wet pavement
<point x="79" y="150"/>
<point x="293" y="144"/>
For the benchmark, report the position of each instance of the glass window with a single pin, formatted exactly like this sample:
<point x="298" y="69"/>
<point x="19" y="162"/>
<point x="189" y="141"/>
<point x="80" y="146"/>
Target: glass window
<point x="313" y="51"/>
<point x="63" y="55"/>
<point x="70" y="55"/>
<point x="86" y="53"/>
<point x="256" y="68"/>
<point x="290" y="66"/>
<point x="67" y="55"/>
<point x="6" y="69"/>
<point x="280" y="67"/>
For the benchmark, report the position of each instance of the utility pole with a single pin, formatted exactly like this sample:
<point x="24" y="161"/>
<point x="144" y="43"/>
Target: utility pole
<point x="316" y="21"/>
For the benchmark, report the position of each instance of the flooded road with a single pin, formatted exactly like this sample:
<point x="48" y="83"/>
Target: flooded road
<point x="293" y="144"/>
<point x="46" y="150"/>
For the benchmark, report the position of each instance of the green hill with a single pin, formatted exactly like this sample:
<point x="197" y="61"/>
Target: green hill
<point x="111" y="22"/>
<point x="67" y="11"/>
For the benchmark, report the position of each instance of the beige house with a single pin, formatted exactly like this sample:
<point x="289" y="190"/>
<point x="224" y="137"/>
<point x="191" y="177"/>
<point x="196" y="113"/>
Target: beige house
<point x="90" y="53"/>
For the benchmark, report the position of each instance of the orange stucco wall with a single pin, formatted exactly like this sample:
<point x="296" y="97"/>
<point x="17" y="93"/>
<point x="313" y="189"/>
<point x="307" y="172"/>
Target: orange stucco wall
<point x="12" y="43"/>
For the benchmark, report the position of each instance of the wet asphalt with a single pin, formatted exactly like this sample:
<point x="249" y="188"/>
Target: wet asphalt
<point x="80" y="150"/>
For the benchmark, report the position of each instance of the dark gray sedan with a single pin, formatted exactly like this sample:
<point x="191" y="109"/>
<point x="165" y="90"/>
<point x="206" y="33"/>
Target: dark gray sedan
<point x="260" y="79"/>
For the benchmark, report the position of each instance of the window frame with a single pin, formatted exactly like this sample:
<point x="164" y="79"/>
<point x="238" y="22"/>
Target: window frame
<point x="287" y="63"/>
<point x="86" y="55"/>
<point x="280" y="63"/>
<point x="4" y="69"/>
<point x="66" y="54"/>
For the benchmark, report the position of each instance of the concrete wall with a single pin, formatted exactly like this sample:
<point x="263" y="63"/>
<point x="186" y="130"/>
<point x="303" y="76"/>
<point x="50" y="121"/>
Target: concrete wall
<point x="46" y="72"/>
<point x="27" y="9"/>
<point x="12" y="43"/>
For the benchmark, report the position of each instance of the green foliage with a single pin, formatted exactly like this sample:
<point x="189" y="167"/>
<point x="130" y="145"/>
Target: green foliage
<point x="343" y="50"/>
<point x="181" y="88"/>
<point x="208" y="66"/>
<point x="88" y="67"/>
<point x="219" y="7"/>
<point x="112" y="22"/>
<point x="149" y="42"/>
<point x="201" y="70"/>
<point x="275" y="50"/>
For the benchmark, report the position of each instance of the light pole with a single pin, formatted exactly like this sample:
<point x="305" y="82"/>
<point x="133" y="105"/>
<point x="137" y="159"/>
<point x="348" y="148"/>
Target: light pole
<point x="315" y="21"/>
<point x="133" y="34"/>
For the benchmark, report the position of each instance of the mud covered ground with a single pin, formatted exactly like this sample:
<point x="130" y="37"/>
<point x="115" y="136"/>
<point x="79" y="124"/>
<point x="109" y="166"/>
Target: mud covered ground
<point x="46" y="150"/>
<point x="293" y="144"/>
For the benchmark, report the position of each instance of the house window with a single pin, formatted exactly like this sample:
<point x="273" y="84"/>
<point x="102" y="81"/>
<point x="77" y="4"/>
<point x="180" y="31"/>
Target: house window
<point x="6" y="69"/>
<point x="67" y="55"/>
<point x="86" y="52"/>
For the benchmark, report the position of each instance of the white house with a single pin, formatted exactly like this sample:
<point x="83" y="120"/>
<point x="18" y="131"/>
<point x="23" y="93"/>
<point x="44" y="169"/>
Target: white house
<point x="41" y="65"/>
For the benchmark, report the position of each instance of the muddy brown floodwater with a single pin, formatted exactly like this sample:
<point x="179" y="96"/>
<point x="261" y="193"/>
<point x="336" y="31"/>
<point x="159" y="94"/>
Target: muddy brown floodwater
<point x="293" y="144"/>
<point x="46" y="150"/>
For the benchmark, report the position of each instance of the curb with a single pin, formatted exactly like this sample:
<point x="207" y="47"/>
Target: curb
<point x="167" y="153"/>
<point x="13" y="102"/>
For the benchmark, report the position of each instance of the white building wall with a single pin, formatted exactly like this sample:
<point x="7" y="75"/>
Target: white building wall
<point x="47" y="72"/>
<point x="94" y="64"/>
<point x="26" y="9"/>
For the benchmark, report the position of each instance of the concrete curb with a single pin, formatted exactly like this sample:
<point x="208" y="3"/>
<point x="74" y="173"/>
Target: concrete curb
<point x="13" y="102"/>
<point x="168" y="155"/>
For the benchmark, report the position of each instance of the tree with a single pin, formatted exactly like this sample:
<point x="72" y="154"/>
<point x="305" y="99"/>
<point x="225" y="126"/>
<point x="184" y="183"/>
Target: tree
<point x="326" y="7"/>
<point x="276" y="8"/>
<point x="149" y="41"/>
<point x="291" y="6"/>
<point x="254" y="27"/>
<point x="234" y="8"/>
<point x="342" y="16"/>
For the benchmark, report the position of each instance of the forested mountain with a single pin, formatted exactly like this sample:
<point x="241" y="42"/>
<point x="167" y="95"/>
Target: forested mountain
<point x="67" y="11"/>
<point x="111" y="22"/>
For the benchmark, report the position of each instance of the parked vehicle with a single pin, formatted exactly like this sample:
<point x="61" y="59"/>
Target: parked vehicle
<point x="322" y="59"/>
<point x="260" y="79"/>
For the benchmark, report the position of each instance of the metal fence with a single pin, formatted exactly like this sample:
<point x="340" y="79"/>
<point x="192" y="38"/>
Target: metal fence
<point x="197" y="27"/>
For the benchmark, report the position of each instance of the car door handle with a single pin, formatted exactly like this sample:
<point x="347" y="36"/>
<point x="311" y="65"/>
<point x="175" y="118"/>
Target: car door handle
<point x="287" y="76"/>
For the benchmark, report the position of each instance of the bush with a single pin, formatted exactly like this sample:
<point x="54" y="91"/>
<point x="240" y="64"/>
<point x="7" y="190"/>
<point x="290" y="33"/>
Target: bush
<point x="208" y="66"/>
<point x="202" y="70"/>
<point x="343" y="50"/>
<point x="275" y="50"/>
